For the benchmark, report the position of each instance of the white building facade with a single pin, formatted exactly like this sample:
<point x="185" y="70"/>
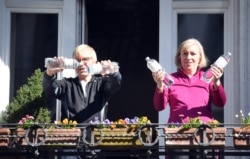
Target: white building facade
<point x="72" y="31"/>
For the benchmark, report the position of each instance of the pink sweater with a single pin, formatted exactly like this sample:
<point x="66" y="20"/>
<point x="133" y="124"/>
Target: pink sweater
<point x="188" y="97"/>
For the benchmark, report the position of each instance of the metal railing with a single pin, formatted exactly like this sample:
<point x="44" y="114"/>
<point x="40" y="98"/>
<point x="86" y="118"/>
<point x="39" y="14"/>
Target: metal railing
<point x="143" y="142"/>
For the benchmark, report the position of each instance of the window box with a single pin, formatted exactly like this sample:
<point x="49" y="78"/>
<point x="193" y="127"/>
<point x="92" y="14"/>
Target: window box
<point x="241" y="137"/>
<point x="118" y="137"/>
<point x="183" y="138"/>
<point x="4" y="139"/>
<point x="49" y="137"/>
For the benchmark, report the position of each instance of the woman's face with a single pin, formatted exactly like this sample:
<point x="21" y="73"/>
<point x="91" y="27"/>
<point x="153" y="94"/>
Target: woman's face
<point x="190" y="59"/>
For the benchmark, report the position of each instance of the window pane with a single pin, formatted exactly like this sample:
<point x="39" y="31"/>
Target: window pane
<point x="208" y="29"/>
<point x="33" y="37"/>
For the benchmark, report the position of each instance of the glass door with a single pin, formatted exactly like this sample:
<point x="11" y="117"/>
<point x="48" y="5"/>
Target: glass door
<point x="33" y="37"/>
<point x="209" y="22"/>
<point x="209" y="30"/>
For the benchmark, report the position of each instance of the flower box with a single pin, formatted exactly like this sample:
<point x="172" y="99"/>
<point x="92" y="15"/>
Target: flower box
<point x="49" y="137"/>
<point x="241" y="137"/>
<point x="182" y="138"/>
<point x="4" y="139"/>
<point x="118" y="137"/>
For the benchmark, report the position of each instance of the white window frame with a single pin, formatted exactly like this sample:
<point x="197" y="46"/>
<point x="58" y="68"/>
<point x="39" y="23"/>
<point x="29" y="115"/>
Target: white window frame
<point x="169" y="10"/>
<point x="67" y="33"/>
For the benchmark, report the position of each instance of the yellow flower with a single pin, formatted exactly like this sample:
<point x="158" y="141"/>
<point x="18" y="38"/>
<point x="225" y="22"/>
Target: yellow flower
<point x="144" y="119"/>
<point x="65" y="121"/>
<point x="120" y="121"/>
<point x="213" y="123"/>
<point x="112" y="126"/>
<point x="74" y="123"/>
<point x="58" y="122"/>
<point x="70" y="122"/>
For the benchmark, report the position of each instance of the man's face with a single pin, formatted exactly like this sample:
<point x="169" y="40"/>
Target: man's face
<point x="86" y="60"/>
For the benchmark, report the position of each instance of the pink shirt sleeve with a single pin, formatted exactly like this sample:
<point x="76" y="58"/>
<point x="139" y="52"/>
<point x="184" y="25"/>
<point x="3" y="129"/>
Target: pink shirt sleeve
<point x="160" y="99"/>
<point x="218" y="96"/>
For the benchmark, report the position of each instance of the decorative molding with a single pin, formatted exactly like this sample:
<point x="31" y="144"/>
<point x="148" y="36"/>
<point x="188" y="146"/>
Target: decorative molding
<point x="222" y="4"/>
<point x="45" y="4"/>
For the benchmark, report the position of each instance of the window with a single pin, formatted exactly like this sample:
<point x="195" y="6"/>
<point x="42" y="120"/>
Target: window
<point x="209" y="30"/>
<point x="33" y="37"/>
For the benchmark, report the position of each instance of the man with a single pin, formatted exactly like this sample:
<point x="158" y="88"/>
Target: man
<point x="86" y="96"/>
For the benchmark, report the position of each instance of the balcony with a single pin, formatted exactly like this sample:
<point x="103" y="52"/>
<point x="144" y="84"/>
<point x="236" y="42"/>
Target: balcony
<point x="96" y="142"/>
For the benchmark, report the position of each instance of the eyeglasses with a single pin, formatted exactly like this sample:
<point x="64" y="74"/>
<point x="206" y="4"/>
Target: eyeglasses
<point x="85" y="59"/>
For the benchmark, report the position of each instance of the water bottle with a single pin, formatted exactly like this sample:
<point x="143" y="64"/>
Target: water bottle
<point x="221" y="62"/>
<point x="66" y="63"/>
<point x="99" y="68"/>
<point x="154" y="66"/>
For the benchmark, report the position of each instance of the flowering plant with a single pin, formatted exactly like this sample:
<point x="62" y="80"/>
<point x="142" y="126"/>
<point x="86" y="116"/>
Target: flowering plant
<point x="26" y="122"/>
<point x="134" y="123"/>
<point x="66" y="123"/>
<point x="189" y="123"/>
<point x="244" y="120"/>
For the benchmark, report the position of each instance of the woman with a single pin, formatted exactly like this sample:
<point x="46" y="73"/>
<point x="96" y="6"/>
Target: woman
<point x="190" y="96"/>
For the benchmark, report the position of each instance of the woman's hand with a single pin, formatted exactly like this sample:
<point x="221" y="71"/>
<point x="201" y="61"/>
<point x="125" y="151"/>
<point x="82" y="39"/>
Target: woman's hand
<point x="158" y="78"/>
<point x="217" y="72"/>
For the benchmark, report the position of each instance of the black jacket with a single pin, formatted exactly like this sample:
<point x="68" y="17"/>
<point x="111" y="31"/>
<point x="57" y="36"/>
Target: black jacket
<point x="76" y="106"/>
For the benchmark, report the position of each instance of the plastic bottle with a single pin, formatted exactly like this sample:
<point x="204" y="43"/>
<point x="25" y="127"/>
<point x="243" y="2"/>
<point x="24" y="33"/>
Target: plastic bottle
<point x="154" y="66"/>
<point x="221" y="62"/>
<point x="98" y="68"/>
<point x="66" y="63"/>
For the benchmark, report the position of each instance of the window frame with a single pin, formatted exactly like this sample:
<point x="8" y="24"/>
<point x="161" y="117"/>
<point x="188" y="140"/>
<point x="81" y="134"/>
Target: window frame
<point x="169" y="11"/>
<point x="67" y="33"/>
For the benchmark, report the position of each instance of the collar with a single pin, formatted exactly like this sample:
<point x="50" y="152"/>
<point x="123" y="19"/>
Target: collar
<point x="181" y="71"/>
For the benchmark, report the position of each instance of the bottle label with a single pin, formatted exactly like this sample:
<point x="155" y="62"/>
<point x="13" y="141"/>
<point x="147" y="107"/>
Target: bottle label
<point x="69" y="64"/>
<point x="51" y="63"/>
<point x="221" y="62"/>
<point x="168" y="80"/>
<point x="154" y="66"/>
<point x="103" y="69"/>
<point x="208" y="76"/>
<point x="114" y="68"/>
<point x="95" y="69"/>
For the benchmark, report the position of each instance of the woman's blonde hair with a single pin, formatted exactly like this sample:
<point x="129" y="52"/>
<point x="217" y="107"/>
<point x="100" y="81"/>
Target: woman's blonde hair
<point x="85" y="48"/>
<point x="185" y="45"/>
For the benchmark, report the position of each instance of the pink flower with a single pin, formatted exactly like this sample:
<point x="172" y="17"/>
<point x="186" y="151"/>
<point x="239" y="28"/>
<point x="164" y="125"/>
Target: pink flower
<point x="186" y="120"/>
<point x="23" y="120"/>
<point x="29" y="117"/>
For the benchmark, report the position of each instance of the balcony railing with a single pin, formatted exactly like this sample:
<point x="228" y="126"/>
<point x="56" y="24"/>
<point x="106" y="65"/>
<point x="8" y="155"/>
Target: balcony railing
<point x="149" y="141"/>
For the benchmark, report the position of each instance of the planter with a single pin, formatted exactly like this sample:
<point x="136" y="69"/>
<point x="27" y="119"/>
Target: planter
<point x="48" y="137"/>
<point x="4" y="139"/>
<point x="241" y="137"/>
<point x="183" y="138"/>
<point x="118" y="137"/>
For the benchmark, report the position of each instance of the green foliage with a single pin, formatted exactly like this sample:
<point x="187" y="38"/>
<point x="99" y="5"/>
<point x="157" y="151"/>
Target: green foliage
<point x="43" y="116"/>
<point x="244" y="120"/>
<point x="189" y="123"/>
<point x="3" y="117"/>
<point x="192" y="123"/>
<point x="29" y="100"/>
